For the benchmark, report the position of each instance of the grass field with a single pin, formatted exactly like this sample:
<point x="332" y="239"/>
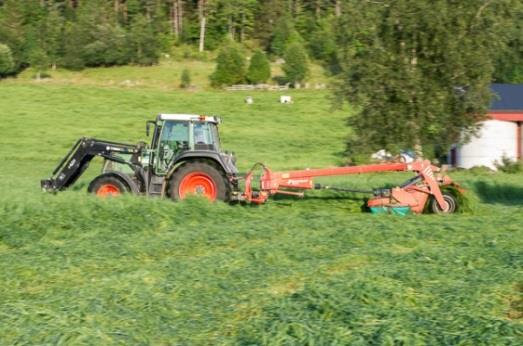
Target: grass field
<point x="75" y="269"/>
<point x="166" y="76"/>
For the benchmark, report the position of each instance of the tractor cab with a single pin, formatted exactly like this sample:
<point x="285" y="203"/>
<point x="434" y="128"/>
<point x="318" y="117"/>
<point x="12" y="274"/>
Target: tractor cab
<point x="177" y="134"/>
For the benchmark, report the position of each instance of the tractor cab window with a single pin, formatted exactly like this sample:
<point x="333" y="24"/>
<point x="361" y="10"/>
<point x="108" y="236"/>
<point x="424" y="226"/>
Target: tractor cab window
<point x="173" y="139"/>
<point x="205" y="136"/>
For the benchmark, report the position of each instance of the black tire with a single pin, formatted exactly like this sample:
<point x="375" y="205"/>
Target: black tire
<point x="117" y="185"/>
<point x="450" y="199"/>
<point x="210" y="170"/>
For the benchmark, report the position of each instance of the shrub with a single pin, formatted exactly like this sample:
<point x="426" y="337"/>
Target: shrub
<point x="185" y="79"/>
<point x="7" y="63"/>
<point x="39" y="61"/>
<point x="230" y="67"/>
<point x="296" y="66"/>
<point x="508" y="165"/>
<point x="259" y="68"/>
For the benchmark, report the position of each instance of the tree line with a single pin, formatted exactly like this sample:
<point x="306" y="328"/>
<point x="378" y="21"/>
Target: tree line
<point x="86" y="33"/>
<point x="416" y="72"/>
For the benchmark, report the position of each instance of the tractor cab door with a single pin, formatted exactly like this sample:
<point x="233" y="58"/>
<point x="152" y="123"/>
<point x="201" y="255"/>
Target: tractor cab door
<point x="174" y="137"/>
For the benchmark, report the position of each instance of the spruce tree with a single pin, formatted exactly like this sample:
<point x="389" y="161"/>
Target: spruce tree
<point x="259" y="69"/>
<point x="296" y="67"/>
<point x="7" y="63"/>
<point x="143" y="42"/>
<point x="230" y="66"/>
<point x="13" y="31"/>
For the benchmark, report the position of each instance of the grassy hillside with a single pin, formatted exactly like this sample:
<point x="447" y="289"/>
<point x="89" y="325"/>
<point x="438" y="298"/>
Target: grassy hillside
<point x="76" y="269"/>
<point x="165" y="76"/>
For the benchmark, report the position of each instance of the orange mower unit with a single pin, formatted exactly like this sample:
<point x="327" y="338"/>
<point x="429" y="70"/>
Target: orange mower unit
<point x="425" y="191"/>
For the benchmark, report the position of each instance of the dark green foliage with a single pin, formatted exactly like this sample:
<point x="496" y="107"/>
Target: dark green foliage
<point x="322" y="45"/>
<point x="144" y="45"/>
<point x="185" y="79"/>
<point x="73" y="57"/>
<point x="39" y="61"/>
<point x="509" y="64"/>
<point x="296" y="66"/>
<point x="284" y="34"/>
<point x="422" y="76"/>
<point x="12" y="30"/>
<point x="508" y="165"/>
<point x="259" y="69"/>
<point x="230" y="66"/>
<point x="7" y="63"/>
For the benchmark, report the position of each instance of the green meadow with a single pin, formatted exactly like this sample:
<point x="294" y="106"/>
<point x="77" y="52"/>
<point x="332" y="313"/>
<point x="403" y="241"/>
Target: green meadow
<point x="79" y="270"/>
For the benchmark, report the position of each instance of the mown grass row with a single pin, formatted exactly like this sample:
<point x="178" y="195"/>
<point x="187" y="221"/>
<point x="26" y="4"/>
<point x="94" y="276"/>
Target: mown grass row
<point x="142" y="271"/>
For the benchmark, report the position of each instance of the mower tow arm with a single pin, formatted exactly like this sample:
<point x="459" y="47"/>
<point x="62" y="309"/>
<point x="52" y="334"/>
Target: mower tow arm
<point x="414" y="193"/>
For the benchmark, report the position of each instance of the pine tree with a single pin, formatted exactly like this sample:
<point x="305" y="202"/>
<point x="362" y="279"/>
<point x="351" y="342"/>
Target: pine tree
<point x="259" y="69"/>
<point x="143" y="42"/>
<point x="296" y="63"/>
<point x="7" y="63"/>
<point x="12" y="30"/>
<point x="53" y="40"/>
<point x="284" y="35"/>
<point x="230" y="66"/>
<point x="101" y="40"/>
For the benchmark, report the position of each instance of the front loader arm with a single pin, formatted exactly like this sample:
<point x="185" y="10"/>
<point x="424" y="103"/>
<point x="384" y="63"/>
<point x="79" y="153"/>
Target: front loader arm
<point x="72" y="166"/>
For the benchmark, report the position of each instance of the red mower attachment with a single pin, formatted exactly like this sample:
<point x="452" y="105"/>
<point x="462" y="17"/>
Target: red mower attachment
<point x="415" y="195"/>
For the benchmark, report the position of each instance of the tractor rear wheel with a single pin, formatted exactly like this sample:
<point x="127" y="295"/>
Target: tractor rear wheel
<point x="199" y="178"/>
<point x="107" y="185"/>
<point x="451" y="201"/>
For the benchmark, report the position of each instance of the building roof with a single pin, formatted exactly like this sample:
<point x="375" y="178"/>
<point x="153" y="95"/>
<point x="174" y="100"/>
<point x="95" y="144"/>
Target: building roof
<point x="508" y="97"/>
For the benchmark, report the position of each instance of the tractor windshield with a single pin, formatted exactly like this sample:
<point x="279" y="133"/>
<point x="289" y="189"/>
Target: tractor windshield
<point x="177" y="133"/>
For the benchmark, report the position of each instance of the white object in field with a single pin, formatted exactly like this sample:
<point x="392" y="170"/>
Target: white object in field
<point x="285" y="99"/>
<point x="494" y="140"/>
<point x="249" y="100"/>
<point x="381" y="155"/>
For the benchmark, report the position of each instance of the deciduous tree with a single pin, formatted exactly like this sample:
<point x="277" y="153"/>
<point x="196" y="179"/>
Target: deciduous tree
<point x="418" y="72"/>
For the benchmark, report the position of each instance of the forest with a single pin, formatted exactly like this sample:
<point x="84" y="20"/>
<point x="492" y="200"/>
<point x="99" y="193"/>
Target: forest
<point x="403" y="63"/>
<point x="79" y="33"/>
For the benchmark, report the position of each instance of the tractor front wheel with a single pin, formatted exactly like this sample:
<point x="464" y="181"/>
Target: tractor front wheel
<point x="451" y="201"/>
<point x="199" y="178"/>
<point x="107" y="185"/>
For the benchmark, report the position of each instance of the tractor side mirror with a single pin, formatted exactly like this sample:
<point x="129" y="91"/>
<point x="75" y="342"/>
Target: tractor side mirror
<point x="148" y="127"/>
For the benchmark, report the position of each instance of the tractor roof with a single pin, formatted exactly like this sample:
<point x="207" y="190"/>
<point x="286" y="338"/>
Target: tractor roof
<point x="190" y="117"/>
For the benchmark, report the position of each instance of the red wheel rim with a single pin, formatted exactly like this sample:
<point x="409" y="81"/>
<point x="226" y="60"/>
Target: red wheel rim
<point x="198" y="183"/>
<point x="108" y="190"/>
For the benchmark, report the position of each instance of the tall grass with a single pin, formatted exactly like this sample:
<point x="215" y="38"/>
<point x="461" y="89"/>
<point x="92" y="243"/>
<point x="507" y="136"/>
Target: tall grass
<point x="76" y="269"/>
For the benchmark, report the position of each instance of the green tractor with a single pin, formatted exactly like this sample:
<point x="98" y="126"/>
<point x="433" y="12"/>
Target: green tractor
<point x="184" y="158"/>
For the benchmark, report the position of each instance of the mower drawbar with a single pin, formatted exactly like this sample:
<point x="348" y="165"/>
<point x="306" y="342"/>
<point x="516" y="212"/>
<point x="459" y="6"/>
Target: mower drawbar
<point x="425" y="191"/>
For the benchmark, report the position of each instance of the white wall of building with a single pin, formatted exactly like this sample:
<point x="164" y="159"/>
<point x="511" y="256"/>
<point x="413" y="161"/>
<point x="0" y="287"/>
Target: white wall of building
<point x="495" y="140"/>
